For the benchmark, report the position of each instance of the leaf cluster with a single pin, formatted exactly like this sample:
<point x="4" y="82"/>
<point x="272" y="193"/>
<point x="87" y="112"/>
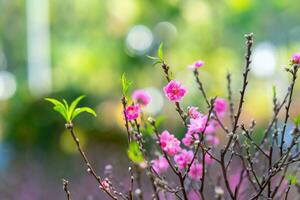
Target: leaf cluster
<point x="70" y="112"/>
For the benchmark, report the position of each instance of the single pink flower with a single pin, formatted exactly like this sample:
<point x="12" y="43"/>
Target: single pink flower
<point x="193" y="112"/>
<point x="169" y="143"/>
<point x="141" y="97"/>
<point x="208" y="159"/>
<point x="197" y="125"/>
<point x="195" y="172"/>
<point x="296" y="58"/>
<point x="174" y="91"/>
<point x="183" y="158"/>
<point x="160" y="165"/>
<point x="212" y="140"/>
<point x="196" y="65"/>
<point x="220" y="107"/>
<point x="132" y="112"/>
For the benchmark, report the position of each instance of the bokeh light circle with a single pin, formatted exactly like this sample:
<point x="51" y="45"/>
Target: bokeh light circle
<point x="264" y="60"/>
<point x="165" y="32"/>
<point x="139" y="40"/>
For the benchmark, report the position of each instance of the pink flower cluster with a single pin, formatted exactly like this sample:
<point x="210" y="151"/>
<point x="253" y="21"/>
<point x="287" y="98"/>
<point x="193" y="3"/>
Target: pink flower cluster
<point x="199" y="124"/>
<point x="169" y="143"/>
<point x="174" y="91"/>
<point x="183" y="158"/>
<point x="141" y="98"/>
<point x="295" y="58"/>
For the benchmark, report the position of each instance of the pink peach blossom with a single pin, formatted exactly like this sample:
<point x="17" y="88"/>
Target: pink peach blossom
<point x="174" y="91"/>
<point x="193" y="112"/>
<point x="141" y="97"/>
<point x="160" y="165"/>
<point x="169" y="143"/>
<point x="132" y="112"/>
<point x="183" y="158"/>
<point x="220" y="107"/>
<point x="296" y="58"/>
<point x="195" y="172"/>
<point x="197" y="125"/>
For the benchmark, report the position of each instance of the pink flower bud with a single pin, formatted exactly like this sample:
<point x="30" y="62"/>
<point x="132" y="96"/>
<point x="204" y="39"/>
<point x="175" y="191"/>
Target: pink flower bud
<point x="196" y="65"/>
<point x="295" y="58"/>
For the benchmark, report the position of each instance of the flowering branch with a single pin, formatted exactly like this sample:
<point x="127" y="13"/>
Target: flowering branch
<point x="191" y="157"/>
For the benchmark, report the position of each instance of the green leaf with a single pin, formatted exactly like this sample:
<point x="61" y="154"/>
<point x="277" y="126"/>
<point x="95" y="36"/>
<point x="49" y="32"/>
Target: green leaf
<point x="292" y="180"/>
<point x="134" y="153"/>
<point x="77" y="111"/>
<point x="73" y="106"/>
<point x="61" y="110"/>
<point x="59" y="107"/>
<point x="125" y="84"/>
<point x="152" y="57"/>
<point x="160" y="52"/>
<point x="66" y="104"/>
<point x="54" y="101"/>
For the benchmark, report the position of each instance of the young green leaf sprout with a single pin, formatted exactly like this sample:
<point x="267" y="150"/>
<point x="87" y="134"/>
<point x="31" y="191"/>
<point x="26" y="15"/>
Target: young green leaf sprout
<point x="69" y="113"/>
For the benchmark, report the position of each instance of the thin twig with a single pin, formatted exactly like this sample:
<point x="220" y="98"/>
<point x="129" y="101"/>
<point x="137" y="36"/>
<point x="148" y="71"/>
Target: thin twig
<point x="90" y="169"/>
<point x="66" y="189"/>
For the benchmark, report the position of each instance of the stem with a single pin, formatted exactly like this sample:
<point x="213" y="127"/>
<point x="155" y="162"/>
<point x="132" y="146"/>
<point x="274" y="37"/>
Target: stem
<point x="90" y="169"/>
<point x="294" y="73"/>
<point x="231" y="105"/>
<point x="124" y="103"/>
<point x="66" y="189"/>
<point x="200" y="86"/>
<point x="249" y="43"/>
<point x="202" y="179"/>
